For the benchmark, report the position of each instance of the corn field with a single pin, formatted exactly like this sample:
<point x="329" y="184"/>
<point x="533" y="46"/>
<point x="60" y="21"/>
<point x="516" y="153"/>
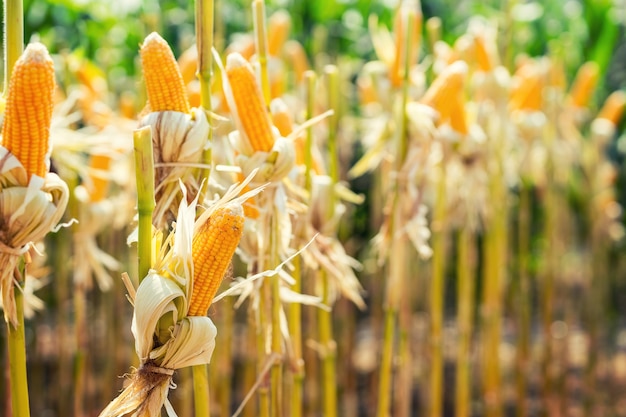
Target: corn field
<point x="296" y="208"/>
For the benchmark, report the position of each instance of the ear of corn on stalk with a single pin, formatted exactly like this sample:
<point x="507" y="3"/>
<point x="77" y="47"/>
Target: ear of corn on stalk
<point x="445" y="88"/>
<point x="163" y="79"/>
<point x="613" y="107"/>
<point x="279" y="25"/>
<point x="247" y="101"/>
<point x="26" y="130"/>
<point x="213" y="247"/>
<point x="584" y="84"/>
<point x="32" y="201"/>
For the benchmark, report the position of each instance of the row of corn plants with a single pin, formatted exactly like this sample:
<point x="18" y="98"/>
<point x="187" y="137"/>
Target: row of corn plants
<point x="198" y="240"/>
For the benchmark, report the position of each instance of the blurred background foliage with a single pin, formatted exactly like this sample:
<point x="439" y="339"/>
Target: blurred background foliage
<point x="109" y="32"/>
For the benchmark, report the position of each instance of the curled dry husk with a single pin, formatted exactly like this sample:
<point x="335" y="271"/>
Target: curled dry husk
<point x="165" y="338"/>
<point x="326" y="251"/>
<point x="89" y="259"/>
<point x="29" y="209"/>
<point x="178" y="140"/>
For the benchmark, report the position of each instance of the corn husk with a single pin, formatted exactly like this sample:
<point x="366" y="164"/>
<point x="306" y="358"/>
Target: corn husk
<point x="89" y="260"/>
<point x="179" y="140"/>
<point x="166" y="339"/>
<point x="29" y="210"/>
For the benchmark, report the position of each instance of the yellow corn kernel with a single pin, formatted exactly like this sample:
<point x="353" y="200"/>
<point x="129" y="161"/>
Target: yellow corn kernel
<point x="97" y="187"/>
<point x="613" y="107"/>
<point x="26" y="130"/>
<point x="213" y="247"/>
<point x="441" y="94"/>
<point x="279" y="25"/>
<point x="164" y="82"/>
<point x="248" y="99"/>
<point x="584" y="84"/>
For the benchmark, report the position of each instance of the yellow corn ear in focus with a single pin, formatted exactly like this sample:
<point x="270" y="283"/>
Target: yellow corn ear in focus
<point x="164" y="83"/>
<point x="584" y="84"/>
<point x="213" y="247"/>
<point x="613" y="107"/>
<point x="248" y="99"/>
<point x="26" y="130"/>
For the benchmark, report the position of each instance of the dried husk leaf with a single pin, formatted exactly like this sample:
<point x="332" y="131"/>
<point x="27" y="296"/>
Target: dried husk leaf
<point x="179" y="140"/>
<point x="28" y="211"/>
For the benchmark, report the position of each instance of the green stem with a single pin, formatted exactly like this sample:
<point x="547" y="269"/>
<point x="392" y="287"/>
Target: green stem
<point x="204" y="41"/>
<point x="224" y="366"/>
<point x="277" y="369"/>
<point x="260" y="38"/>
<point x="309" y="82"/>
<point x="332" y="89"/>
<point x="144" y="171"/>
<point x="81" y="335"/>
<point x="295" y="332"/>
<point x="14" y="45"/>
<point x="404" y="377"/>
<point x="552" y="207"/>
<point x="384" y="393"/>
<point x="399" y="253"/>
<point x="201" y="397"/>
<point x="328" y="352"/>
<point x="523" y="342"/>
<point x="17" y="355"/>
<point x="204" y="14"/>
<point x="251" y="353"/>
<point x="264" y="388"/>
<point x="494" y="261"/>
<point x="437" y="297"/>
<point x="205" y="17"/>
<point x="13" y="36"/>
<point x="466" y="276"/>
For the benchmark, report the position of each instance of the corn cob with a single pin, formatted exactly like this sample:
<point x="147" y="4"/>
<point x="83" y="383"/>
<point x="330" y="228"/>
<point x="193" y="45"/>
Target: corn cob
<point x="483" y="57"/>
<point x="248" y="99"/>
<point x="188" y="64"/>
<point x="527" y="95"/>
<point x="213" y="247"/>
<point x="279" y="25"/>
<point x="98" y="187"/>
<point x="405" y="19"/>
<point x="613" y="107"/>
<point x="164" y="82"/>
<point x="281" y="117"/>
<point x="26" y="130"/>
<point x="296" y="56"/>
<point x="443" y="90"/>
<point x="458" y="118"/>
<point x="584" y="84"/>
